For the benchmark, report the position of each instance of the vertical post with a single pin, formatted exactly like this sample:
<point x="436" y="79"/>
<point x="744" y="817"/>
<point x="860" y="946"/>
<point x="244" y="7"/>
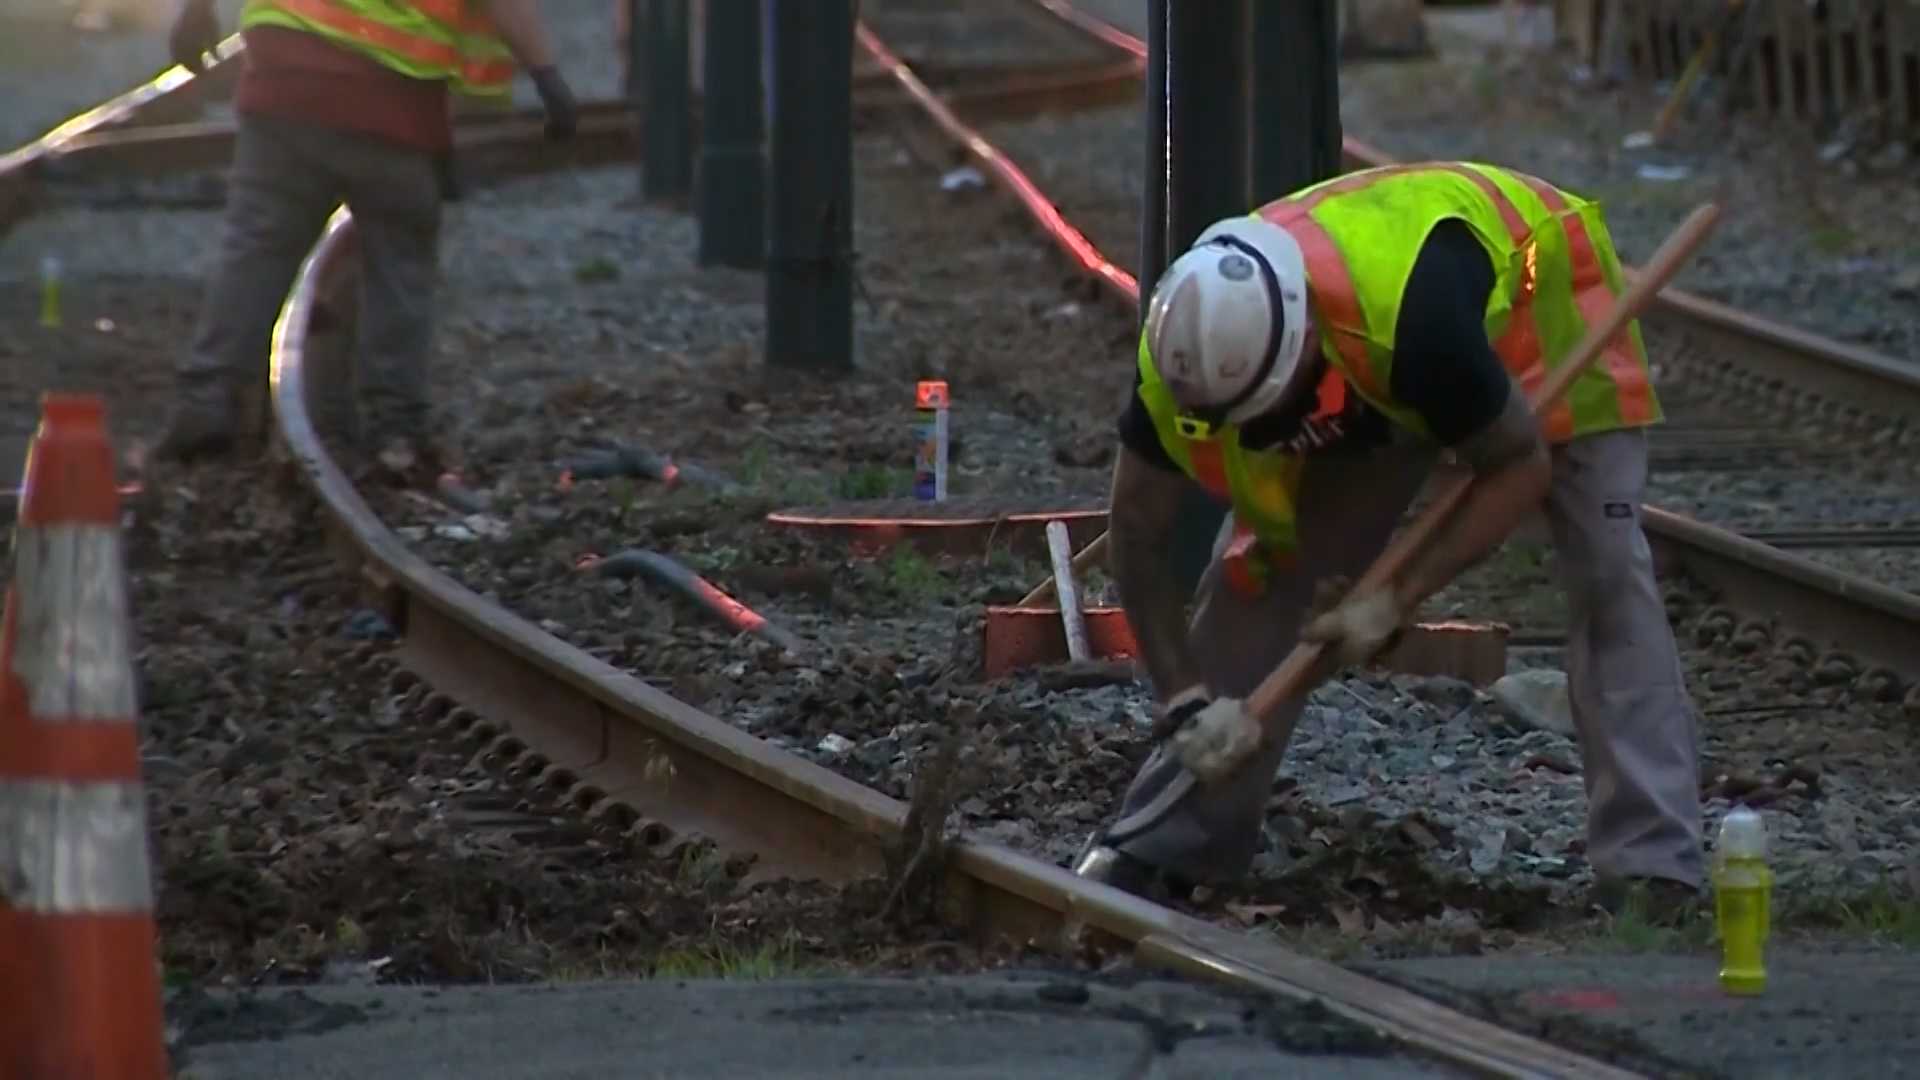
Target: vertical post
<point x="668" y="170"/>
<point x="635" y="86"/>
<point x="1153" y="200"/>
<point x="1296" y="97"/>
<point x="732" y="173"/>
<point x="810" y="184"/>
<point x="1206" y="58"/>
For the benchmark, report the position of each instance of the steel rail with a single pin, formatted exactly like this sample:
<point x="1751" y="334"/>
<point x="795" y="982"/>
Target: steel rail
<point x="615" y="739"/>
<point x="1879" y="624"/>
<point x="160" y="97"/>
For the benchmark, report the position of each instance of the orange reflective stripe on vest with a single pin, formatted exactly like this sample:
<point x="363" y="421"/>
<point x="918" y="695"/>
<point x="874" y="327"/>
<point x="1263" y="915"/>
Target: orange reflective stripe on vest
<point x="1595" y="299"/>
<point x="417" y="49"/>
<point x="1519" y="345"/>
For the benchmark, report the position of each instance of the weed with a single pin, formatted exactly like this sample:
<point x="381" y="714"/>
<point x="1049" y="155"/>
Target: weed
<point x="872" y="482"/>
<point x="1879" y="912"/>
<point x="596" y="269"/>
<point x="753" y="465"/>
<point x="911" y="574"/>
<point x="701" y="866"/>
<point x="1632" y="931"/>
<point x="1832" y="239"/>
<point x="625" y="492"/>
<point x="723" y="960"/>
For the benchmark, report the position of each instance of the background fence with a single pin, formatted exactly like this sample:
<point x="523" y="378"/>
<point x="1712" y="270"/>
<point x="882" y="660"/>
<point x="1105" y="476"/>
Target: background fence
<point x="1815" y="62"/>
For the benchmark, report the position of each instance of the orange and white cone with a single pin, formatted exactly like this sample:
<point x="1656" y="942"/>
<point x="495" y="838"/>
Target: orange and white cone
<point x="79" y="996"/>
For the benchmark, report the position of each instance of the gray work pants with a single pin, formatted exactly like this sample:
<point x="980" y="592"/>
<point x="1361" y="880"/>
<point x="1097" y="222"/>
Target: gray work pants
<point x="285" y="181"/>
<point x="1630" y="707"/>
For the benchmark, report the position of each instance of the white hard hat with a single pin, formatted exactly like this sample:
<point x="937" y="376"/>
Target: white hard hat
<point x="1227" y="323"/>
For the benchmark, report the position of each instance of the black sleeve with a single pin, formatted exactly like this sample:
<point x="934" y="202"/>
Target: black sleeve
<point x="1444" y="367"/>
<point x="1137" y="432"/>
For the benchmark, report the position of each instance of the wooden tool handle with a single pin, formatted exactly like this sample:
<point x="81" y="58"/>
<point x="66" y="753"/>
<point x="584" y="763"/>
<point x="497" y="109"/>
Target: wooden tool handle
<point x="1060" y="548"/>
<point x="1094" y="549"/>
<point x="1290" y="678"/>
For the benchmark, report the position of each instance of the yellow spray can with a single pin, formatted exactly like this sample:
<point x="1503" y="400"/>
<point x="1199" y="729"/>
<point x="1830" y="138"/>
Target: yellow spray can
<point x="50" y="291"/>
<point x="1742" y="900"/>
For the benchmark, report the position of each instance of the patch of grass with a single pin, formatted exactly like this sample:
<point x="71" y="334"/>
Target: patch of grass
<point x="912" y="574"/>
<point x="1633" y="931"/>
<point x="625" y="493"/>
<point x="723" y="960"/>
<point x="1881" y="913"/>
<point x="1832" y="239"/>
<point x="873" y="482"/>
<point x="596" y="269"/>
<point x="753" y="465"/>
<point x="702" y="866"/>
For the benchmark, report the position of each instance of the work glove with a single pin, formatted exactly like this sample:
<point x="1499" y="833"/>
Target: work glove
<point x="563" y="115"/>
<point x="1212" y="737"/>
<point x="195" y="31"/>
<point x="1356" y="627"/>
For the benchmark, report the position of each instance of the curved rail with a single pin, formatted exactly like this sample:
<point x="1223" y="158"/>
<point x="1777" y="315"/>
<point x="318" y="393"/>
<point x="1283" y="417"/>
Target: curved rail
<point x="1877" y="623"/>
<point x="616" y="740"/>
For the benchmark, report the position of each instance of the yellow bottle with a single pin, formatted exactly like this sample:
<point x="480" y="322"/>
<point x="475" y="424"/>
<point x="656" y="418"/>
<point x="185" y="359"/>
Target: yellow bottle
<point x="50" y="291"/>
<point x="1742" y="898"/>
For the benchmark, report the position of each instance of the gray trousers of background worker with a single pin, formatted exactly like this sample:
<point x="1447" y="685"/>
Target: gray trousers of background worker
<point x="1630" y="707"/>
<point x="285" y="181"/>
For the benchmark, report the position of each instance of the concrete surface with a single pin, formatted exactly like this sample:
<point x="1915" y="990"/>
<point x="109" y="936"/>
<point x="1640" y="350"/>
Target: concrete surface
<point x="980" y="1026"/>
<point x="1826" y="1012"/>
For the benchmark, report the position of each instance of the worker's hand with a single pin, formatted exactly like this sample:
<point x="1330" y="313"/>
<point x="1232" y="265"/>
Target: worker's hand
<point x="195" y="30"/>
<point x="563" y="115"/>
<point x="1217" y="738"/>
<point x="1358" y="628"/>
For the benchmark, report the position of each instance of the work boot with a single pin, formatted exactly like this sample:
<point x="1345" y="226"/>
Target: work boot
<point x="1658" y="901"/>
<point x="1111" y="866"/>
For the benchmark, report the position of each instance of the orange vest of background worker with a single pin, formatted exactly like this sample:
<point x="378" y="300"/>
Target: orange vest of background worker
<point x="1307" y="363"/>
<point x="343" y="101"/>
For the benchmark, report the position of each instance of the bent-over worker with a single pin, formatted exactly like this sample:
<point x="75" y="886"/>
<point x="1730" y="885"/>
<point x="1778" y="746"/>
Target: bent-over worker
<point x="344" y="100"/>
<point x="1306" y="364"/>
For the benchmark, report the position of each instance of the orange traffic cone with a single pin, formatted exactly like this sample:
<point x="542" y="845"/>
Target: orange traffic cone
<point x="81" y="997"/>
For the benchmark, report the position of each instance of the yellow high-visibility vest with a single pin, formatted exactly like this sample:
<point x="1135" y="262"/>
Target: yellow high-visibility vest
<point x="432" y="40"/>
<point x="1555" y="270"/>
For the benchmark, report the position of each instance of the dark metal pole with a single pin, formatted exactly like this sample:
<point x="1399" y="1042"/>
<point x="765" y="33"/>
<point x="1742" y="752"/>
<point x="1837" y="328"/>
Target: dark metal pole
<point x="1206" y="62"/>
<point x="1207" y="88"/>
<point x="1153" y="202"/>
<point x="732" y="170"/>
<point x="1296" y="97"/>
<point x="668" y="170"/>
<point x="635" y="86"/>
<point x="810" y="186"/>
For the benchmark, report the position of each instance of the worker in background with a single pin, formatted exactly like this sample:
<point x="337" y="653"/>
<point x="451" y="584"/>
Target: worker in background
<point x="344" y="100"/>
<point x="1307" y="364"/>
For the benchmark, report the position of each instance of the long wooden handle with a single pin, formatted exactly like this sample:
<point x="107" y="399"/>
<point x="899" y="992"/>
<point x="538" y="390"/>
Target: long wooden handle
<point x="1060" y="548"/>
<point x="1290" y="678"/>
<point x="1094" y="549"/>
